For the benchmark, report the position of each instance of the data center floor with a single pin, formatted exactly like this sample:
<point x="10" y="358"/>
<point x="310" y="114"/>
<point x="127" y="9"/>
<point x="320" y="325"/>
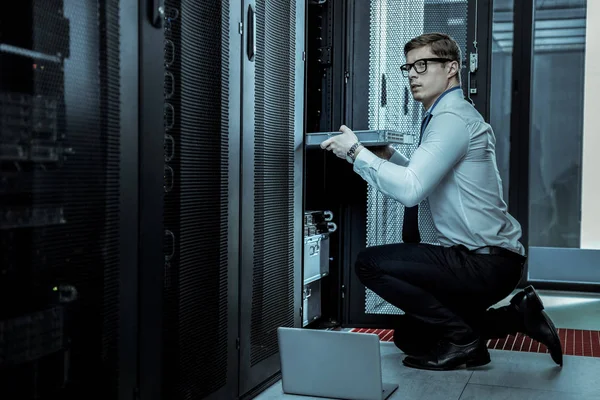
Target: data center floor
<point x="511" y="374"/>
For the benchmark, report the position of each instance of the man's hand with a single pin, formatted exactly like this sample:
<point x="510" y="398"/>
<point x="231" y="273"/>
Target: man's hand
<point x="340" y="144"/>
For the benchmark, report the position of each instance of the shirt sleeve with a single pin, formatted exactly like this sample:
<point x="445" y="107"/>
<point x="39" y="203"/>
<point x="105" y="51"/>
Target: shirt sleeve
<point x="445" y="142"/>
<point x="399" y="159"/>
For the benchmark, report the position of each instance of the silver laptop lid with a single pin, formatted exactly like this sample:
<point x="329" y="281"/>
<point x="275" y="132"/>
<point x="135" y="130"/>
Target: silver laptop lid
<point x="335" y="364"/>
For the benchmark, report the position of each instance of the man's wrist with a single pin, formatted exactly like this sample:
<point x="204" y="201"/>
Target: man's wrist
<point x="353" y="152"/>
<point x="358" y="150"/>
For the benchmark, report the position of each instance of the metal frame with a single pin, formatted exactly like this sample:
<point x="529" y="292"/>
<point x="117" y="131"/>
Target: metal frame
<point x="128" y="371"/>
<point x="247" y="377"/>
<point x="548" y="269"/>
<point x="544" y="264"/>
<point x="518" y="193"/>
<point x="353" y="221"/>
<point x="235" y="126"/>
<point x="253" y="376"/>
<point x="320" y="167"/>
<point x="334" y="199"/>
<point x="483" y="27"/>
<point x="340" y="75"/>
<point x="299" y="153"/>
<point x="151" y="193"/>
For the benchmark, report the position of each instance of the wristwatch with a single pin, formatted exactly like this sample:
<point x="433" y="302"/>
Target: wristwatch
<point x="351" y="154"/>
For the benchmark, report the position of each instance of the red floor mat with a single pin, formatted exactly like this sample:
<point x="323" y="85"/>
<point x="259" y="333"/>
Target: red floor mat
<point x="575" y="342"/>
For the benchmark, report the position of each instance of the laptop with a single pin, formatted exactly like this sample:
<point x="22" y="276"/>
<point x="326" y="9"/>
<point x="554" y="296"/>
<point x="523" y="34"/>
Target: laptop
<point x="334" y="364"/>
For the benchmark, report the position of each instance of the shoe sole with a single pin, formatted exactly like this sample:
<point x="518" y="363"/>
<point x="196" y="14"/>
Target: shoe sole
<point x="478" y="362"/>
<point x="474" y="363"/>
<point x="538" y="306"/>
<point x="556" y="339"/>
<point x="533" y="300"/>
<point x="531" y="294"/>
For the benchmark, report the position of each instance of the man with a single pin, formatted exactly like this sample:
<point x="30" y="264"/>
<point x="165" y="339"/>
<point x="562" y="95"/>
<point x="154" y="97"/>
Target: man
<point x="446" y="291"/>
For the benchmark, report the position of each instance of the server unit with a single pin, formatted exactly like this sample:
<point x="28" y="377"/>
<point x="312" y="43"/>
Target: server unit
<point x="318" y="226"/>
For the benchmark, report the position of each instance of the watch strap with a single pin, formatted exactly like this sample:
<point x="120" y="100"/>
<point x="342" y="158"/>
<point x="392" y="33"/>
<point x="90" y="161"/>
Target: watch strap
<point x="352" y="152"/>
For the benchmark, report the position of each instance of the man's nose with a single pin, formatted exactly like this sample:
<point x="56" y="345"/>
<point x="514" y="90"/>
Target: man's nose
<point x="412" y="73"/>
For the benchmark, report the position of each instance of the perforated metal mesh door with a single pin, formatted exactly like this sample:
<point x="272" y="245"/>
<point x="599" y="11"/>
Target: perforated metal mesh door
<point x="393" y="24"/>
<point x="273" y="279"/>
<point x="59" y="199"/>
<point x="196" y="197"/>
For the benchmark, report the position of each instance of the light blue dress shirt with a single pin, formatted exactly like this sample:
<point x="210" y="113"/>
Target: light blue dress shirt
<point x="455" y="168"/>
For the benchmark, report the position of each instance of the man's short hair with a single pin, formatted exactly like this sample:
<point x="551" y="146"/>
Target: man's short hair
<point x="441" y="45"/>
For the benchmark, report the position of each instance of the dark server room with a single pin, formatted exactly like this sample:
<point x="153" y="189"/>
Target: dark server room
<point x="166" y="211"/>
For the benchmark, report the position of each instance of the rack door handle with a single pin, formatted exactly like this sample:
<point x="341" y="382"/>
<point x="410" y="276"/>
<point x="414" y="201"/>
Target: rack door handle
<point x="251" y="32"/>
<point x="157" y="13"/>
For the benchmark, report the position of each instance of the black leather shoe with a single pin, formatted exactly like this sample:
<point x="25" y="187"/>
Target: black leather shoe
<point x="537" y="324"/>
<point x="447" y="356"/>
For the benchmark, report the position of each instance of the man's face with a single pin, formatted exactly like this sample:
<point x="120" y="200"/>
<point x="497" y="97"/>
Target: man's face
<point x="426" y="87"/>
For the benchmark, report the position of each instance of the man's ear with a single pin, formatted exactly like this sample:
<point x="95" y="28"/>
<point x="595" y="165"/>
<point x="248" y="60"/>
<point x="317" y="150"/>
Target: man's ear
<point x="453" y="68"/>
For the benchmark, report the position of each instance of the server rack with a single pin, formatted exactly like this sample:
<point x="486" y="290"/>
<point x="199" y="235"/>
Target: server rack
<point x="272" y="172"/>
<point x="193" y="269"/>
<point x="226" y="131"/>
<point x="358" y="83"/>
<point x="68" y="200"/>
<point x="152" y="166"/>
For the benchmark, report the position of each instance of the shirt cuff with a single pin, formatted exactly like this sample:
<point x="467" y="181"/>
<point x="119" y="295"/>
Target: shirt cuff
<point x="366" y="159"/>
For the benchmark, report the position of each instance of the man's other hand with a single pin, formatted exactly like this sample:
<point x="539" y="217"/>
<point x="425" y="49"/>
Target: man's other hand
<point x="340" y="144"/>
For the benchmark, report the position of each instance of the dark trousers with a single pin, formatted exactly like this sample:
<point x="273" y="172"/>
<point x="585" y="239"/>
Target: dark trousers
<point x="446" y="292"/>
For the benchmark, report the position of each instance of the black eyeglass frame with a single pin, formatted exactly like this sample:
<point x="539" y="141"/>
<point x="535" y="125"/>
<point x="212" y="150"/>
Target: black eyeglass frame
<point x="407" y="67"/>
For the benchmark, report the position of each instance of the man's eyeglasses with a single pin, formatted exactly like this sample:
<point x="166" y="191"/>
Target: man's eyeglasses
<point x="420" y="66"/>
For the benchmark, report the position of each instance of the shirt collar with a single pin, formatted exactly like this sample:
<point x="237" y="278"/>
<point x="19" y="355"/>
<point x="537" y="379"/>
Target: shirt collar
<point x="448" y="94"/>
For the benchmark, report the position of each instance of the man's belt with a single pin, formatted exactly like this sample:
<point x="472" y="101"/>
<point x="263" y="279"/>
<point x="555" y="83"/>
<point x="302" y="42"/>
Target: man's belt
<point x="494" y="250"/>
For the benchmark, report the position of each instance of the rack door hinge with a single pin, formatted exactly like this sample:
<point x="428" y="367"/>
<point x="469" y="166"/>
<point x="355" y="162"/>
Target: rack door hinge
<point x="473" y="62"/>
<point x="136" y="393"/>
<point x="237" y="343"/>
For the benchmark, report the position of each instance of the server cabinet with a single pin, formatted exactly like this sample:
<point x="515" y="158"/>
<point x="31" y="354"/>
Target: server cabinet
<point x="225" y="128"/>
<point x="189" y="288"/>
<point x="271" y="177"/>
<point x="68" y="199"/>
